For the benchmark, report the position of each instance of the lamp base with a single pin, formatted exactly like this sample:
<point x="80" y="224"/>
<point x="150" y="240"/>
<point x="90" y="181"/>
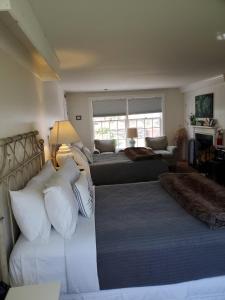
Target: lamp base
<point x="132" y="142"/>
<point x="63" y="153"/>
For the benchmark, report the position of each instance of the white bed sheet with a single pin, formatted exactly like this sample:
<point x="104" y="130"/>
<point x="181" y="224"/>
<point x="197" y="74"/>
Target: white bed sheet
<point x="204" y="289"/>
<point x="70" y="262"/>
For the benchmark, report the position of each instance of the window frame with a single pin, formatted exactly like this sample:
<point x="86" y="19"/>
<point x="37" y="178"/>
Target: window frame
<point x="126" y="98"/>
<point x="117" y="129"/>
<point x="152" y="118"/>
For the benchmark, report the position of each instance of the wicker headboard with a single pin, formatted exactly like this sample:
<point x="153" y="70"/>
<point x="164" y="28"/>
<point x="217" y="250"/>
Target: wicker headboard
<point x="21" y="157"/>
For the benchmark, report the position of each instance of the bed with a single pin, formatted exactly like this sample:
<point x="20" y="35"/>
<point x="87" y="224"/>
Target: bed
<point x="140" y="244"/>
<point x="117" y="168"/>
<point x="157" y="244"/>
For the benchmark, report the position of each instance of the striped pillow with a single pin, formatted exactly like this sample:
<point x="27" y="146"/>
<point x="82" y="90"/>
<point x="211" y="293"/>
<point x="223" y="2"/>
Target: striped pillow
<point x="83" y="195"/>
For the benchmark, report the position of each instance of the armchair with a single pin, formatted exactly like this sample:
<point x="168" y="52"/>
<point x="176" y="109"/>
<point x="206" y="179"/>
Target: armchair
<point x="160" y="146"/>
<point x="104" y="146"/>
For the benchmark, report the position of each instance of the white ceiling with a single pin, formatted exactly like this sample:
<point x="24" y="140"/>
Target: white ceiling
<point x="134" y="44"/>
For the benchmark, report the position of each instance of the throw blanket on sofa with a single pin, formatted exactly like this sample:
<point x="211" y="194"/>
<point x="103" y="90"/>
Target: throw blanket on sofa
<point x="140" y="153"/>
<point x="198" y="195"/>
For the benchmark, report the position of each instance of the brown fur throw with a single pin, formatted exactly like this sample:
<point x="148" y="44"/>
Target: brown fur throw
<point x="140" y="153"/>
<point x="198" y="195"/>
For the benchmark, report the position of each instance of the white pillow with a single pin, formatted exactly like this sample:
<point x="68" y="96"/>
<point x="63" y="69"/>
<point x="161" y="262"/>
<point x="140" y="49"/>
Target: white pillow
<point x="80" y="159"/>
<point x="69" y="170"/>
<point x="83" y="195"/>
<point x="46" y="172"/>
<point x="29" y="211"/>
<point x="61" y="207"/>
<point x="88" y="155"/>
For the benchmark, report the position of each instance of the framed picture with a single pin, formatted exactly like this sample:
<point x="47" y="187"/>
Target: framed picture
<point x="204" y="106"/>
<point x="78" y="117"/>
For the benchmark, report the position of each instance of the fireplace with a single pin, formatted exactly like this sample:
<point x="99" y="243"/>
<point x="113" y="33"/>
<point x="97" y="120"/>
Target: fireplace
<point x="201" y="147"/>
<point x="205" y="130"/>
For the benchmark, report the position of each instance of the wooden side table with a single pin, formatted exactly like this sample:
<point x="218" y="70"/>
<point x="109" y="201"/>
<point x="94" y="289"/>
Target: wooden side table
<point x="48" y="291"/>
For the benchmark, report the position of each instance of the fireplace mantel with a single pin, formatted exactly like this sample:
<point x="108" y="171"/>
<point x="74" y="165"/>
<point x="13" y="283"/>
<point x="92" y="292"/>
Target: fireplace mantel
<point x="206" y="130"/>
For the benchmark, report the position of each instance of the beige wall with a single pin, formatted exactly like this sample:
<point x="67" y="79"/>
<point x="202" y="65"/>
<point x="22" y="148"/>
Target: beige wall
<point x="26" y="103"/>
<point x="80" y="104"/>
<point x="219" y="104"/>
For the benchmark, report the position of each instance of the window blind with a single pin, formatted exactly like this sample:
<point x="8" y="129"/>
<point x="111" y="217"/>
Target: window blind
<point x="144" y="105"/>
<point x="104" y="108"/>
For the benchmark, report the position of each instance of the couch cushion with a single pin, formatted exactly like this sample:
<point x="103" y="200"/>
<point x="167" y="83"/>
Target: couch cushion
<point x="157" y="143"/>
<point x="164" y="153"/>
<point x="105" y="145"/>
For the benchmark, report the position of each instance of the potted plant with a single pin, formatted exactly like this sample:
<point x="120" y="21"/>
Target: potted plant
<point x="192" y="119"/>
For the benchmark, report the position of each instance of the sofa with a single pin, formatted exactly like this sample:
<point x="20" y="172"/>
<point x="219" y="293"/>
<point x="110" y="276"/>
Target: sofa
<point x="160" y="146"/>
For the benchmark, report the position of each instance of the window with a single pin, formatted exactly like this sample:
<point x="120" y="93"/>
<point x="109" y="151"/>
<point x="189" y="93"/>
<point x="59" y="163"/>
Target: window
<point x="107" y="128"/>
<point x="147" y="125"/>
<point x="111" y="118"/>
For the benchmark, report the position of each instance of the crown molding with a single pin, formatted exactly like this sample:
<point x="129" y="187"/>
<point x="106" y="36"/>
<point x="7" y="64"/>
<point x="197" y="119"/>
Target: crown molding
<point x="20" y="20"/>
<point x="203" y="83"/>
<point x="5" y="5"/>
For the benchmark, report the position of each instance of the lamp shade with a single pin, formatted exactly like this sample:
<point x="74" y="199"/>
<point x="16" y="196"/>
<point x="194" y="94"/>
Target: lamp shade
<point x="63" y="132"/>
<point x="132" y="133"/>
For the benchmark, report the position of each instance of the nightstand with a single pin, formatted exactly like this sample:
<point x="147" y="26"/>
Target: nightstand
<point x="48" y="291"/>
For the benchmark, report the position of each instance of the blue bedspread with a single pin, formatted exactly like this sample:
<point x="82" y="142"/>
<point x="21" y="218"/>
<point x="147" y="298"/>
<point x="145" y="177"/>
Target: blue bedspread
<point x="145" y="238"/>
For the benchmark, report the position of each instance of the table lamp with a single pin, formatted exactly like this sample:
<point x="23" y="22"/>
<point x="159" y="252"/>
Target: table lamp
<point x="131" y="134"/>
<point x="63" y="133"/>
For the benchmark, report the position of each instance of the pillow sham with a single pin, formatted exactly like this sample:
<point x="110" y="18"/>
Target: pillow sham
<point x="61" y="206"/>
<point x="46" y="172"/>
<point x="69" y="170"/>
<point x="88" y="154"/>
<point x="29" y="212"/>
<point x="83" y="195"/>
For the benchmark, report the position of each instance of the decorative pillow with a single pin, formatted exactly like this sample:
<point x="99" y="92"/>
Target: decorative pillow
<point x="29" y="211"/>
<point x="80" y="159"/>
<point x="83" y="195"/>
<point x="105" y="145"/>
<point x="88" y="154"/>
<point x="69" y="170"/>
<point x="61" y="207"/>
<point x="46" y="172"/>
<point x="157" y="143"/>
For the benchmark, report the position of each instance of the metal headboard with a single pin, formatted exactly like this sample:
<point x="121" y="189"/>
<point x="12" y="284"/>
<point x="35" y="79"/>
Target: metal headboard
<point x="21" y="157"/>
